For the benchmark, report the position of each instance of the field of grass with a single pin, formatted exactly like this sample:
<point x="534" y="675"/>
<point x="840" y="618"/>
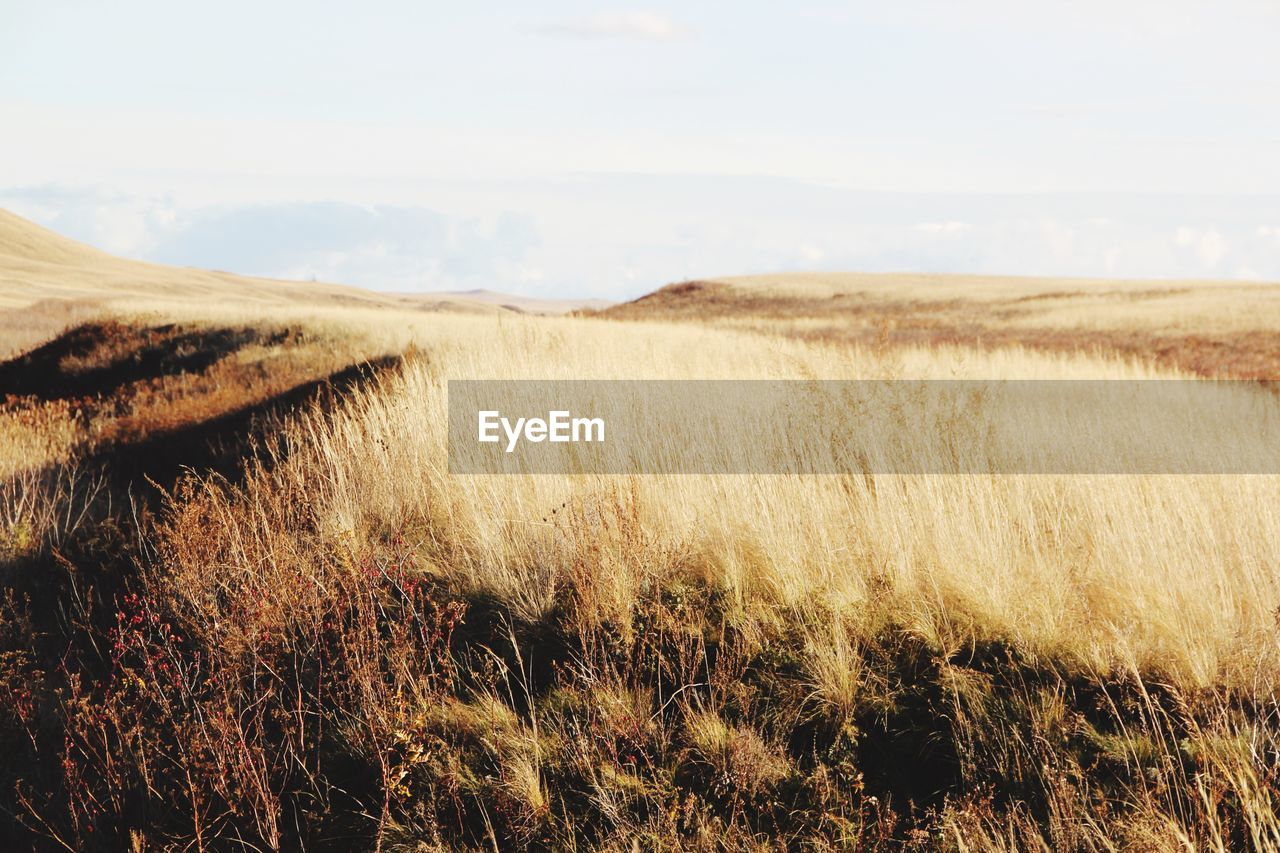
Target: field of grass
<point x="1209" y="329"/>
<point x="245" y="604"/>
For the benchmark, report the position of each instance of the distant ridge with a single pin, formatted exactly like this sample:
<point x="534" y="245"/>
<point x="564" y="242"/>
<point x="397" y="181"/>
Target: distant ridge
<point x="25" y="240"/>
<point x="522" y="304"/>
<point x="38" y="265"/>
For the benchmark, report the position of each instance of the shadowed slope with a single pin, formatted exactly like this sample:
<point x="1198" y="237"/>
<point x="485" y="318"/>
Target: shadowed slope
<point x="143" y="402"/>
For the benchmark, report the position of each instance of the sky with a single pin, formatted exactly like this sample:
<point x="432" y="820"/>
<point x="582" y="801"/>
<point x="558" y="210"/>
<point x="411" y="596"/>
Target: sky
<point x="594" y="149"/>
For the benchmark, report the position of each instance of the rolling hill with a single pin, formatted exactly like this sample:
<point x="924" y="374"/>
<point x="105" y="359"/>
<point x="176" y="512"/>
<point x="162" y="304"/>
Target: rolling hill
<point x="37" y="264"/>
<point x="48" y="281"/>
<point x="1210" y="328"/>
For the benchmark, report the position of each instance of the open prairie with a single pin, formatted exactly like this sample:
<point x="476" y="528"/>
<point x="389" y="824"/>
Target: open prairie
<point x="246" y="604"/>
<point x="1207" y="328"/>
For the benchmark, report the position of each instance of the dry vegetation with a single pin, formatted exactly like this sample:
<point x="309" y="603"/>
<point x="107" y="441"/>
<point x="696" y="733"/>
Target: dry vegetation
<point x="246" y="605"/>
<point x="1222" y="329"/>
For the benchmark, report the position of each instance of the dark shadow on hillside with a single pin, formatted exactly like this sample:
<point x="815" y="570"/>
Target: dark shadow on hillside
<point x="117" y="354"/>
<point x="224" y="444"/>
<point x="71" y="580"/>
<point x="59" y="603"/>
<point x="98" y="557"/>
<point x="135" y="475"/>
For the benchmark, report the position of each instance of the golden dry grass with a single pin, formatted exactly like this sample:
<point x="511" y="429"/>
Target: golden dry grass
<point x="344" y="641"/>
<point x="1147" y="572"/>
<point x="1219" y="329"/>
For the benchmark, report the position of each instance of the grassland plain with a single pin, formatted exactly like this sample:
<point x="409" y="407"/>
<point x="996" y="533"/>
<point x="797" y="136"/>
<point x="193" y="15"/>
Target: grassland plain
<point x="246" y="605"/>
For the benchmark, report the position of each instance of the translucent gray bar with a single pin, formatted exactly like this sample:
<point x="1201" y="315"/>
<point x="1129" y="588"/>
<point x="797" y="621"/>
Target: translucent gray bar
<point x="864" y="427"/>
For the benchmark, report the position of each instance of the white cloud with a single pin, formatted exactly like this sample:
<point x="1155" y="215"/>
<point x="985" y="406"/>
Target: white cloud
<point x="1111" y="259"/>
<point x="810" y="253"/>
<point x="647" y="26"/>
<point x="1213" y="248"/>
<point x="1060" y="239"/>
<point x="385" y="247"/>
<point x="942" y="227"/>
<point x="1209" y="245"/>
<point x="119" y="223"/>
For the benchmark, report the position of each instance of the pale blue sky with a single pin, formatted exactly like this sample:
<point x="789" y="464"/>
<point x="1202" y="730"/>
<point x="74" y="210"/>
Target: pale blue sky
<point x="586" y="148"/>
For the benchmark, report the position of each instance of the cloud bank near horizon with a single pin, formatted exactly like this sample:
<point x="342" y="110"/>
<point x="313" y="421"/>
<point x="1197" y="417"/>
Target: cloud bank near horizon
<point x="647" y="231"/>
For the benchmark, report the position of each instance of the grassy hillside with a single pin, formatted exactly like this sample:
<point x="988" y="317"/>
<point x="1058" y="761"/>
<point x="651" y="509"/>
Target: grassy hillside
<point x="1210" y="328"/>
<point x="246" y="605"/>
<point x="48" y="281"/>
